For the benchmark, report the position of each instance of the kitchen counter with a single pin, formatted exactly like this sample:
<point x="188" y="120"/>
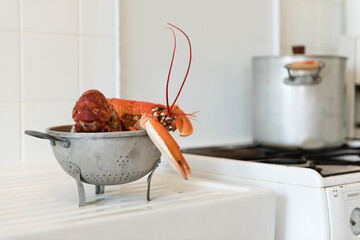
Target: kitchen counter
<point x="41" y="202"/>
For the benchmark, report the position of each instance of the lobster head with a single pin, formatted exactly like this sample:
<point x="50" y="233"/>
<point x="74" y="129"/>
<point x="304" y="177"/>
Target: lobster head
<point x="93" y="113"/>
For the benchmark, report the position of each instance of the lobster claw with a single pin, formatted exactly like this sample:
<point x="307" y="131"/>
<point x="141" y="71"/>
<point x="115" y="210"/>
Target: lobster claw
<point x="182" y="122"/>
<point x="165" y="143"/>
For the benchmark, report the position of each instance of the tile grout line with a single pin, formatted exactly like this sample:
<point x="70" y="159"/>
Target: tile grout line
<point x="66" y="34"/>
<point x="44" y="100"/>
<point x="117" y="59"/>
<point x="21" y="83"/>
<point x="79" y="48"/>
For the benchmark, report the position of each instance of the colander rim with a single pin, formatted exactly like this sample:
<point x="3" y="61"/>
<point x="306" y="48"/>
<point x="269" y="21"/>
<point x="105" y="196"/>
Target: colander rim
<point x="64" y="131"/>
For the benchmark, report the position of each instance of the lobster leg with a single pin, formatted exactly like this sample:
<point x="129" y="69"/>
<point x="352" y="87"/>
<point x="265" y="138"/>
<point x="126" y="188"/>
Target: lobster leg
<point x="165" y="143"/>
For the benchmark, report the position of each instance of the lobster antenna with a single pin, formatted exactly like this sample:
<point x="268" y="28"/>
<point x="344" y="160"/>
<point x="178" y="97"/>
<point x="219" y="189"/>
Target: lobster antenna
<point x="171" y="64"/>
<point x="187" y="72"/>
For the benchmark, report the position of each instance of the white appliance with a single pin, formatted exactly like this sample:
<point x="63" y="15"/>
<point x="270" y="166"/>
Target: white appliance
<point x="41" y="202"/>
<point x="349" y="46"/>
<point x="318" y="194"/>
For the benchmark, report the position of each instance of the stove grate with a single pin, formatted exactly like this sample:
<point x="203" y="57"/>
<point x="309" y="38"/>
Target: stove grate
<point x="314" y="159"/>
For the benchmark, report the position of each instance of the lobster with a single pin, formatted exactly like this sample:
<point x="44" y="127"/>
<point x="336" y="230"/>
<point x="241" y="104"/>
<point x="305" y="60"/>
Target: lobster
<point x="93" y="112"/>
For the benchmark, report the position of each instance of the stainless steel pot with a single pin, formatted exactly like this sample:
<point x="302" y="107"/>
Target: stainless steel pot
<point x="299" y="101"/>
<point x="107" y="158"/>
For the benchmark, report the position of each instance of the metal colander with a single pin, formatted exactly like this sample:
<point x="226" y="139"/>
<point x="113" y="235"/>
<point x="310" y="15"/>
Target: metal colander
<point x="101" y="159"/>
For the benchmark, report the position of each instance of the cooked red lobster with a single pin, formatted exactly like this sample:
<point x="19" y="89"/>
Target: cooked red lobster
<point x="94" y="113"/>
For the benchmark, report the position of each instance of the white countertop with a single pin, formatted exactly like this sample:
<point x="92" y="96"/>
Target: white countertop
<point x="41" y="201"/>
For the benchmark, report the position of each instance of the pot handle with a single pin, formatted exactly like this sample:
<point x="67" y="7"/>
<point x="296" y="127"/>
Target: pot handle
<point x="305" y="65"/>
<point x="304" y="72"/>
<point x="64" y="142"/>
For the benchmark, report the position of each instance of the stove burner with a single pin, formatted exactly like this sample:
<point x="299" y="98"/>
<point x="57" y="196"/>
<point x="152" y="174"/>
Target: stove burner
<point x="320" y="160"/>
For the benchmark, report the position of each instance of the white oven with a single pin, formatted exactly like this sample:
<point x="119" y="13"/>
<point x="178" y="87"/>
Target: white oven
<point x="317" y="193"/>
<point x="344" y="203"/>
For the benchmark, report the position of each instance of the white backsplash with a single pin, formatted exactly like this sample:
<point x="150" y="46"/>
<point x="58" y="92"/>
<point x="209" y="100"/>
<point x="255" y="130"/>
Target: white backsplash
<point x="50" y="52"/>
<point x="352" y="17"/>
<point x="225" y="36"/>
<point x="53" y="50"/>
<point x="317" y="24"/>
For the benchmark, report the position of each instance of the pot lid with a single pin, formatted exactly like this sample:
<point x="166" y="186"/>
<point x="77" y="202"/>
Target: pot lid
<point x="299" y="53"/>
<point x="302" y="57"/>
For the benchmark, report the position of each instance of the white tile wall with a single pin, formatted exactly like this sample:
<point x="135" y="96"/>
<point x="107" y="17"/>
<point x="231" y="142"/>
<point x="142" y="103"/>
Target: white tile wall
<point x="97" y="63"/>
<point x="317" y="24"/>
<point x="54" y="16"/>
<point x="10" y="132"/>
<point x="225" y="35"/>
<point x="38" y="116"/>
<point x="352" y="17"/>
<point x="9" y="15"/>
<point x="50" y="52"/>
<point x="97" y="17"/>
<point x="50" y="67"/>
<point x="9" y="67"/>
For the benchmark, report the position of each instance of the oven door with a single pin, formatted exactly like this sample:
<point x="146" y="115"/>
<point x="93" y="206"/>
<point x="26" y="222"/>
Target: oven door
<point x="344" y="211"/>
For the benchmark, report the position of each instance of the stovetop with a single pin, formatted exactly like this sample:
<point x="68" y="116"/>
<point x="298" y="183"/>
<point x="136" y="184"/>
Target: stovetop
<point x="327" y="162"/>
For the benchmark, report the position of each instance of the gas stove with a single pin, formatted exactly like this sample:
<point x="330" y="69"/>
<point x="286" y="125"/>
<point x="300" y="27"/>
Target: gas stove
<point x="318" y="191"/>
<point x="327" y="162"/>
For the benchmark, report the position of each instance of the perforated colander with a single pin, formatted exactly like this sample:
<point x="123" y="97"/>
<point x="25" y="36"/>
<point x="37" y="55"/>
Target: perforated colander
<point x="102" y="158"/>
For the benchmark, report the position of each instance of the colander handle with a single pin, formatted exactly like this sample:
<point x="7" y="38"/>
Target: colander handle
<point x="64" y="142"/>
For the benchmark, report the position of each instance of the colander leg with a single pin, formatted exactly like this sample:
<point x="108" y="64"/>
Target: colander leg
<point x="74" y="171"/>
<point x="149" y="179"/>
<point x="99" y="189"/>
